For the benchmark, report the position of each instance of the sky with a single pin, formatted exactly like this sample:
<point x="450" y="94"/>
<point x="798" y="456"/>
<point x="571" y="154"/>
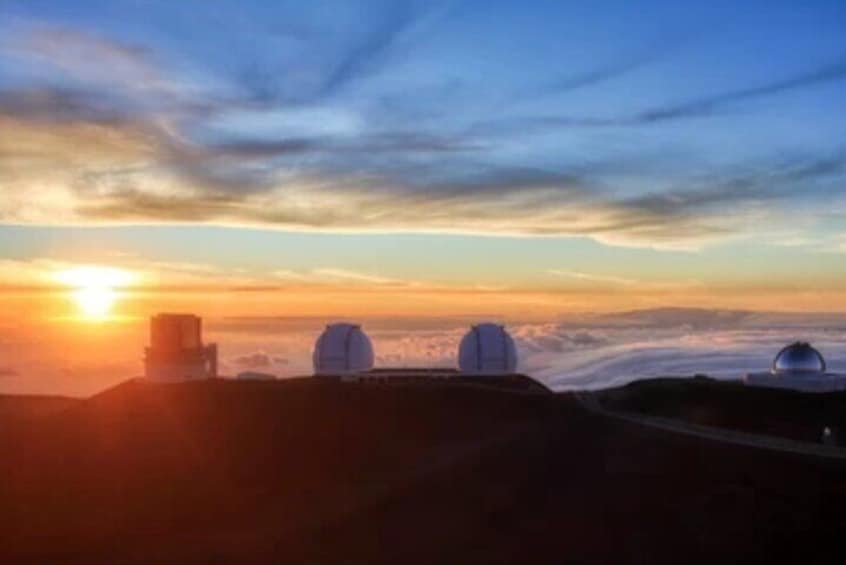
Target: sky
<point x="520" y="161"/>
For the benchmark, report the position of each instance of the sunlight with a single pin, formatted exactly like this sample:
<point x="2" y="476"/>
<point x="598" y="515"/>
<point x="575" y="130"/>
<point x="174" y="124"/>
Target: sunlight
<point x="95" y="287"/>
<point x="95" y="302"/>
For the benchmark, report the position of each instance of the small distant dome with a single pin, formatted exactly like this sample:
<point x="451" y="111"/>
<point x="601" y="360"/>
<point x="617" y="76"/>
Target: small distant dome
<point x="487" y="348"/>
<point x="342" y="348"/>
<point x="799" y="357"/>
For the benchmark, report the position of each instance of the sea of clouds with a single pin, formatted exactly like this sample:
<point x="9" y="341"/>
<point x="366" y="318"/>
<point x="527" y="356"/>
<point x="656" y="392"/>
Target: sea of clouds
<point x="588" y="351"/>
<point x="576" y="352"/>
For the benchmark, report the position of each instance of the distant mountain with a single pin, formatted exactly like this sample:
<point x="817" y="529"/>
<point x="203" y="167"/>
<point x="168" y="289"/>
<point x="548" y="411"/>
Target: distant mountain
<point x="700" y="319"/>
<point x="695" y="318"/>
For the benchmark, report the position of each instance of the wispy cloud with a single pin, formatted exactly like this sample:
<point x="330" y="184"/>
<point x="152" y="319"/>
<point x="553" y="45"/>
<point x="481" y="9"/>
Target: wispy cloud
<point x="142" y="144"/>
<point x="589" y="277"/>
<point x="698" y="107"/>
<point x="343" y="274"/>
<point x="598" y="74"/>
<point x="329" y="274"/>
<point x="356" y="58"/>
<point x="371" y="52"/>
<point x="116" y="173"/>
<point x="86" y="55"/>
<point x="710" y="104"/>
<point x="30" y="273"/>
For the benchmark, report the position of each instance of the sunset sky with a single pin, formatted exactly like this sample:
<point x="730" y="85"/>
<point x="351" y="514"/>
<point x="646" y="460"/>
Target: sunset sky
<point x="517" y="160"/>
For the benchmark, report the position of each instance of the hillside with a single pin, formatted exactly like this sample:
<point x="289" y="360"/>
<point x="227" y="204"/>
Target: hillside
<point x="731" y="405"/>
<point x="21" y="407"/>
<point x="323" y="472"/>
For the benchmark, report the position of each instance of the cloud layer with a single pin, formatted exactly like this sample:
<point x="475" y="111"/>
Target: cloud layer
<point x="582" y="352"/>
<point x="336" y="132"/>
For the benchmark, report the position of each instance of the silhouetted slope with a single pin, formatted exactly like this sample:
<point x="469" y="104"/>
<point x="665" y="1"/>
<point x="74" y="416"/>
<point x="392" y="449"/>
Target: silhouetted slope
<point x="204" y="458"/>
<point x="597" y="490"/>
<point x="732" y="405"/>
<point x="15" y="407"/>
<point x="322" y="472"/>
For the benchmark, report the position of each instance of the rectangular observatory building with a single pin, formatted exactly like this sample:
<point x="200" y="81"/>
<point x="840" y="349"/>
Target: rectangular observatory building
<point x="176" y="351"/>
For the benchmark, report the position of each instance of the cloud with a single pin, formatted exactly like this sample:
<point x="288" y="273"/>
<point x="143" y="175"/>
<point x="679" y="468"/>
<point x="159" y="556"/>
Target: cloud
<point x="85" y="75"/>
<point x="289" y="275"/>
<point x="38" y="274"/>
<point x="710" y="104"/>
<point x="727" y="355"/>
<point x="173" y="153"/>
<point x="345" y="275"/>
<point x="86" y="55"/>
<point x="555" y="338"/>
<point x="578" y="275"/>
<point x="625" y="64"/>
<point x="61" y="105"/>
<point x="377" y="205"/>
<point x="334" y="275"/>
<point x="698" y="107"/>
<point x="381" y="143"/>
<point x="586" y="350"/>
<point x="30" y="273"/>
<point x="259" y="360"/>
<point x="126" y="172"/>
<point x="592" y="77"/>
<point x="336" y="68"/>
<point x="371" y="52"/>
<point x="598" y="351"/>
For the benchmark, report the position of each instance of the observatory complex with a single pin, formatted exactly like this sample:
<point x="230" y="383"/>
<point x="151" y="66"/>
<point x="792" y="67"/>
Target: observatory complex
<point x="176" y="351"/>
<point x="800" y="367"/>
<point x="487" y="355"/>
<point x="344" y="350"/>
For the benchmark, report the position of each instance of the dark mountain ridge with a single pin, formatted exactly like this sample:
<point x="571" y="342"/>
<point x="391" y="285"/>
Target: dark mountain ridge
<point x="316" y="471"/>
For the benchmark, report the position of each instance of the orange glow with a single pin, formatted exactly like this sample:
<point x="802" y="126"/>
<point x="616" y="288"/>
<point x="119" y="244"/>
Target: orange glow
<point x="95" y="287"/>
<point x="95" y="302"/>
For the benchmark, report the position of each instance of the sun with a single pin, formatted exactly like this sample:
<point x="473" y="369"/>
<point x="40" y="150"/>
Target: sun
<point x="95" y="302"/>
<point x="95" y="288"/>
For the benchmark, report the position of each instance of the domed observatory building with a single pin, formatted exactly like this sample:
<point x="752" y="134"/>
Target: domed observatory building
<point x="798" y="357"/>
<point x="487" y="349"/>
<point x="342" y="350"/>
<point x="798" y="366"/>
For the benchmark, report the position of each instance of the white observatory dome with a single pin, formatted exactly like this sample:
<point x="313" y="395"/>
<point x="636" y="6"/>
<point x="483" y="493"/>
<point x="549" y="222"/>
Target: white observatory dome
<point x="342" y="348"/>
<point x="487" y="348"/>
<point x="798" y="357"/>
